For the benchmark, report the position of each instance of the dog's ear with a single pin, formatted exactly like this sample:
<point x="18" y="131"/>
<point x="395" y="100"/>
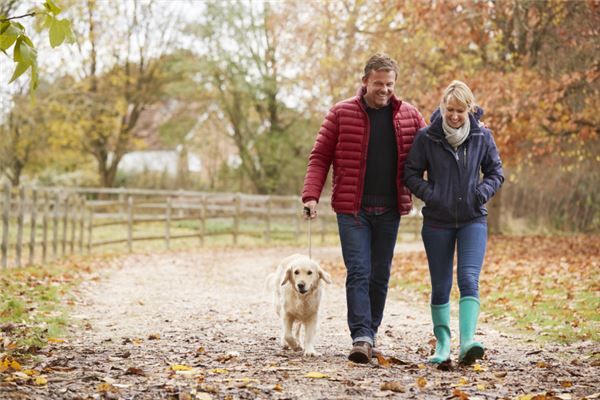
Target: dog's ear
<point x="324" y="275"/>
<point x="288" y="275"/>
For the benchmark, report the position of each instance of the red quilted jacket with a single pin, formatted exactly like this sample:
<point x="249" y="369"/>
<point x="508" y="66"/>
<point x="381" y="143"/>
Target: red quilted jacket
<point x="343" y="140"/>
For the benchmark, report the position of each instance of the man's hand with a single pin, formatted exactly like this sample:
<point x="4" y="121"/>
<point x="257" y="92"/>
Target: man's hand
<point x="310" y="209"/>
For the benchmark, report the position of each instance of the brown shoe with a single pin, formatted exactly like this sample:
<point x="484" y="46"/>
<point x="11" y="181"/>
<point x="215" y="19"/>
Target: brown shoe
<point x="361" y="353"/>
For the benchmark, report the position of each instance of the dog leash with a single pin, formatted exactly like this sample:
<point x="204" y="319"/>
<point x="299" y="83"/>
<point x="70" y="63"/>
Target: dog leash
<point x="307" y="213"/>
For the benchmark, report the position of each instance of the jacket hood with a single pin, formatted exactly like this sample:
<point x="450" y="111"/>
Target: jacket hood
<point x="435" y="127"/>
<point x="396" y="102"/>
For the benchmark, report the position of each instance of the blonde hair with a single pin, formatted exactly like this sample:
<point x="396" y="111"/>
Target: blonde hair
<point x="461" y="92"/>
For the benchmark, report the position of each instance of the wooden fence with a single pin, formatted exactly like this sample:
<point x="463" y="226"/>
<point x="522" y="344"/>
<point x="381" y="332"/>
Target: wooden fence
<point x="48" y="223"/>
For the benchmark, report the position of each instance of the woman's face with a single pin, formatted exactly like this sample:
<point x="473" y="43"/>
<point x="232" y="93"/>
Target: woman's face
<point x="456" y="113"/>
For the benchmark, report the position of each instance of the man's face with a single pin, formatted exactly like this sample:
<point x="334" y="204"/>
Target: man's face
<point x="380" y="87"/>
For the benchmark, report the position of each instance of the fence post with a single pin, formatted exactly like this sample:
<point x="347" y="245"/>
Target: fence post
<point x="202" y="219"/>
<point x="73" y="217"/>
<point x="90" y="226"/>
<point x="20" y="214"/>
<point x="5" y="224"/>
<point x="45" y="227"/>
<point x="168" y="224"/>
<point x="236" y="218"/>
<point x="33" y="229"/>
<point x="65" y="227"/>
<point x="268" y="221"/>
<point x="55" y="226"/>
<point x="122" y="201"/>
<point x="81" y="223"/>
<point x="129" y="222"/>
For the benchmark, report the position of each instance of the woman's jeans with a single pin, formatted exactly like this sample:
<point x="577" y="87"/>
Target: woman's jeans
<point x="368" y="241"/>
<point x="470" y="241"/>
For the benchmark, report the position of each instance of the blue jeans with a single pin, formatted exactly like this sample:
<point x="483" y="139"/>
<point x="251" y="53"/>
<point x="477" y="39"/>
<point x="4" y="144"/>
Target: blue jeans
<point x="368" y="242"/>
<point x="470" y="241"/>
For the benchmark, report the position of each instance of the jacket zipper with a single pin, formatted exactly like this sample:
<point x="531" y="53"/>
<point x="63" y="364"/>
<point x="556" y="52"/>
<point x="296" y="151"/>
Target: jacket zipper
<point x="363" y="167"/>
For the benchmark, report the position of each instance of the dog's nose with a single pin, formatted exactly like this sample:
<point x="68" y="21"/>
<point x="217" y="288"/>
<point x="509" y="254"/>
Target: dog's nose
<point x="301" y="286"/>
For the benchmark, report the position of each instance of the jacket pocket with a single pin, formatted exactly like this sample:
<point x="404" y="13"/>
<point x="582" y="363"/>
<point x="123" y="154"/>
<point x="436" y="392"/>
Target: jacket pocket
<point x="473" y="205"/>
<point x="439" y="206"/>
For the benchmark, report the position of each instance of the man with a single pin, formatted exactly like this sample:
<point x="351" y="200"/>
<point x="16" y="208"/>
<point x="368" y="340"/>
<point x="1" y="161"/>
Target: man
<point x="367" y="139"/>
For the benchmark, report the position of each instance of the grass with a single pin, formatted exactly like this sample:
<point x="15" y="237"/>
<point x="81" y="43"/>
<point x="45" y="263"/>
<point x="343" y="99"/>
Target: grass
<point x="34" y="305"/>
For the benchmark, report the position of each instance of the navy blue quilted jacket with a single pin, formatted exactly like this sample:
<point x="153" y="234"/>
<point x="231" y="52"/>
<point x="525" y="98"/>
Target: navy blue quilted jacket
<point x="460" y="182"/>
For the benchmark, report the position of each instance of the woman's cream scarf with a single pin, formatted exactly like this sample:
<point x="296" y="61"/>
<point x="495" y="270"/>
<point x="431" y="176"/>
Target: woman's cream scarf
<point x="456" y="136"/>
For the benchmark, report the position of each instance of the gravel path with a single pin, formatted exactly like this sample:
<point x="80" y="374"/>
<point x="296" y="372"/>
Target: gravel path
<point x="200" y="325"/>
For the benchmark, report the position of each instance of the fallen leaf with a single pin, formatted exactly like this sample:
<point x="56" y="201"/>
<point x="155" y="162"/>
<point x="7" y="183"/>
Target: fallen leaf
<point x="55" y="340"/>
<point x="397" y="361"/>
<point x="203" y="396"/>
<point x="480" y="386"/>
<point x="106" y="388"/>
<point x="30" y="372"/>
<point x="201" y="350"/>
<point x="381" y="360"/>
<point x="478" y="368"/>
<point x="394" y="386"/>
<point x="459" y="394"/>
<point x="542" y="364"/>
<point x="154" y="336"/>
<point x="278" y="387"/>
<point x="316" y="375"/>
<point x="218" y="371"/>
<point x="566" y="384"/>
<point x="180" y="367"/>
<point x="421" y="382"/>
<point x="40" y="381"/>
<point x="462" y="381"/>
<point x="135" y="371"/>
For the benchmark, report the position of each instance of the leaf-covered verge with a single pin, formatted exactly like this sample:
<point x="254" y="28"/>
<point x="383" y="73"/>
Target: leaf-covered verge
<point x="34" y="306"/>
<point x="547" y="286"/>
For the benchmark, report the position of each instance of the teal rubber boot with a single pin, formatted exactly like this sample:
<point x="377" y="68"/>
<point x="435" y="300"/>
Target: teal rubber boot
<point x="440" y="314"/>
<point x="468" y="312"/>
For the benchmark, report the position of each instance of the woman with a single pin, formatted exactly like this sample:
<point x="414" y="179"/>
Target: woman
<point x="453" y="150"/>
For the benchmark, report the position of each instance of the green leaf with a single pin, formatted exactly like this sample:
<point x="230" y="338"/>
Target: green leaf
<point x="6" y="41"/>
<point x="8" y="37"/>
<point x="33" y="84"/>
<point x="21" y="68"/>
<point x="48" y="21"/>
<point x="53" y="8"/>
<point x="27" y="40"/>
<point x="4" y="26"/>
<point x="24" y="52"/>
<point x="17" y="50"/>
<point x="57" y="33"/>
<point x="68" y="30"/>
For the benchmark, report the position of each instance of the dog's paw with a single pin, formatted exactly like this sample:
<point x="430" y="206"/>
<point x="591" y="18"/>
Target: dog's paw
<point x="311" y="353"/>
<point x="291" y="343"/>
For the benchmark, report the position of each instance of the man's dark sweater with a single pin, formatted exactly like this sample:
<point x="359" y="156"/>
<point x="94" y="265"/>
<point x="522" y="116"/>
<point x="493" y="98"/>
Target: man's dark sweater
<point x="382" y="160"/>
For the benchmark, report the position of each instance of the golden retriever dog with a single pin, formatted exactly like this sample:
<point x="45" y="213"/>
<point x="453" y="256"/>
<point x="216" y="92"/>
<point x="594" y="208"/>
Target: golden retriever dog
<point x="297" y="293"/>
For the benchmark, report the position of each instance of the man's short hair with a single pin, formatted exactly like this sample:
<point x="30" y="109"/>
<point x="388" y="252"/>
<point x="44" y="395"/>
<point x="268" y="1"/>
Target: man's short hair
<point x="381" y="62"/>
